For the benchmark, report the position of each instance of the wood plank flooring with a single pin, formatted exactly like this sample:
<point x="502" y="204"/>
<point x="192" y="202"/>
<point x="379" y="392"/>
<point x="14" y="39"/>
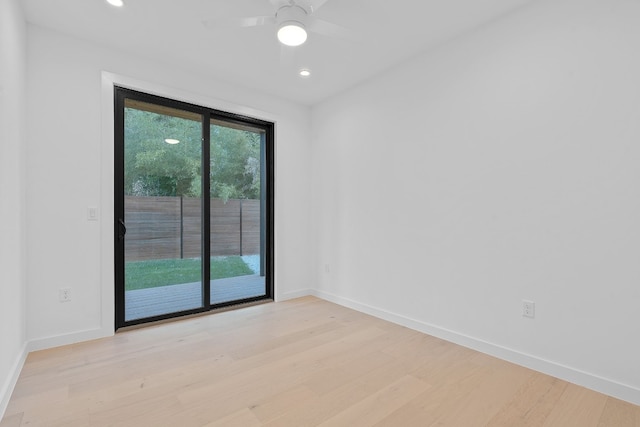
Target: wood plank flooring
<point x="305" y="362"/>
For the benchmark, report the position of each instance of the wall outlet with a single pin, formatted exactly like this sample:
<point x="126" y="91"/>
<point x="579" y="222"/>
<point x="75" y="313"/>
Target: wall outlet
<point x="326" y="268"/>
<point x="528" y="309"/>
<point x="64" y="294"/>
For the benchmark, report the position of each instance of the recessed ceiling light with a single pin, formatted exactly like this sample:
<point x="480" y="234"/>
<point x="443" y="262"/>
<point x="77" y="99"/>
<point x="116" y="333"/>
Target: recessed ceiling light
<point x="116" y="3"/>
<point x="305" y="73"/>
<point x="172" y="141"/>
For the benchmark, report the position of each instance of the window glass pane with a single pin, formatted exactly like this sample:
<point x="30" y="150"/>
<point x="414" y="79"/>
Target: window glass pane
<point x="162" y="162"/>
<point x="236" y="191"/>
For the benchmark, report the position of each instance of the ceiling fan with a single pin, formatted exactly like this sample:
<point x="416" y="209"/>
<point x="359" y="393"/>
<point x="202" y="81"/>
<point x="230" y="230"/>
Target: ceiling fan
<point x="292" y="18"/>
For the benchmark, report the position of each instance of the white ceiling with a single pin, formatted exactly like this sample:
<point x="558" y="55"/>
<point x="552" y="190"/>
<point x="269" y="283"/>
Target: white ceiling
<point x="386" y="32"/>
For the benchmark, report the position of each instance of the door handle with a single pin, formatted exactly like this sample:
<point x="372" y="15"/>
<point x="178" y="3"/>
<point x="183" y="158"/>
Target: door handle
<point x="122" y="229"/>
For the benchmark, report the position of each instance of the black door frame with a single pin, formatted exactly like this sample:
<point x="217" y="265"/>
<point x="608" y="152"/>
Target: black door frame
<point x="267" y="201"/>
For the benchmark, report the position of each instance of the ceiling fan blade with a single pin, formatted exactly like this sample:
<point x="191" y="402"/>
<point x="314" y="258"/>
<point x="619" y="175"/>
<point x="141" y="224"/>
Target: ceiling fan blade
<point x="317" y="4"/>
<point x="255" y="21"/>
<point x="250" y="21"/>
<point x="328" y="29"/>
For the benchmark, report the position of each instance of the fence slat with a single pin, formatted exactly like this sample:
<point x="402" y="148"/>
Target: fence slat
<point x="154" y="227"/>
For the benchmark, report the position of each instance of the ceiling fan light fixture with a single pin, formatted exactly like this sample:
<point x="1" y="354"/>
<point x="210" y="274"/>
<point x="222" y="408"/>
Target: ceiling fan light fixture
<point x="116" y="3"/>
<point x="292" y="33"/>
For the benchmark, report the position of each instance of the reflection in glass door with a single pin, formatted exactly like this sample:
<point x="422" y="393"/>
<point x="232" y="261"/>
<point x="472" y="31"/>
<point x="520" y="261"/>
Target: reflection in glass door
<point x="236" y="191"/>
<point x="193" y="208"/>
<point x="162" y="209"/>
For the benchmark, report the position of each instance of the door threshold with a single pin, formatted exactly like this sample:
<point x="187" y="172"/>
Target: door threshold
<point x="195" y="315"/>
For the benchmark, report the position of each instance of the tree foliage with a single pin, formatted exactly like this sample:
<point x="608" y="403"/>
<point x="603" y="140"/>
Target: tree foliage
<point x="155" y="168"/>
<point x="235" y="163"/>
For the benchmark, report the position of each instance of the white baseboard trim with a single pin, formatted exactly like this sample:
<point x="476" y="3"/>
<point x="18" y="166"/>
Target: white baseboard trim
<point x="294" y="294"/>
<point x="10" y="383"/>
<point x="72" y="338"/>
<point x="602" y="385"/>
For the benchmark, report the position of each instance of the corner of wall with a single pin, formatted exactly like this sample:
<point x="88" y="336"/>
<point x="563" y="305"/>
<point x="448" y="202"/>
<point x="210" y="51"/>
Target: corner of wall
<point x="7" y="388"/>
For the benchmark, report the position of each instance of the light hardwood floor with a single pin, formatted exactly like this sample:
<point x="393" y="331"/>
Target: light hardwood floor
<point x="304" y="362"/>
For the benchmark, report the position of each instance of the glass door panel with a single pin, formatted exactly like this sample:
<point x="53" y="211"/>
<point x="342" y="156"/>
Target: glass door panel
<point x="193" y="205"/>
<point x="237" y="214"/>
<point x="162" y="210"/>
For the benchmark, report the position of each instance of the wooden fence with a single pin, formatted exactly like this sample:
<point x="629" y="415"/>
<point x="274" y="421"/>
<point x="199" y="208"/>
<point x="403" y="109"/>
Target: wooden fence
<point x="170" y="227"/>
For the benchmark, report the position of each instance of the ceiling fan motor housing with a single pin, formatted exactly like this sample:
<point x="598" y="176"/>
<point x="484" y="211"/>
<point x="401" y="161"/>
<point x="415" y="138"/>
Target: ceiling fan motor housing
<point x="291" y="15"/>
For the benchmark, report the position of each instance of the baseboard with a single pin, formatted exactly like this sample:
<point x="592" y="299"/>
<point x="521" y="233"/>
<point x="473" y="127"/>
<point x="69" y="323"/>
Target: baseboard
<point x="66" y="339"/>
<point x="602" y="385"/>
<point x="294" y="294"/>
<point x="10" y="383"/>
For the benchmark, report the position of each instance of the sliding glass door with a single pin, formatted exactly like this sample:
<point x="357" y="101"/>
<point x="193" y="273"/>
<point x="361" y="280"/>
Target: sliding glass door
<point x="162" y="199"/>
<point x="237" y="196"/>
<point x="193" y="206"/>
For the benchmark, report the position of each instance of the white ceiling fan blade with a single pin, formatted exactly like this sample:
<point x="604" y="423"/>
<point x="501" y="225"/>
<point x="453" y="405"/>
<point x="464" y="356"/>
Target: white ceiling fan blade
<point x="255" y="21"/>
<point x="328" y="29"/>
<point x="250" y="21"/>
<point x="317" y="4"/>
<point x="310" y="6"/>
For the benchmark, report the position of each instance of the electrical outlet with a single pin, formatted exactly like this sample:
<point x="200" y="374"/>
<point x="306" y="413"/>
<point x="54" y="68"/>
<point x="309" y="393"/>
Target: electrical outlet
<point x="64" y="294"/>
<point x="326" y="268"/>
<point x="528" y="309"/>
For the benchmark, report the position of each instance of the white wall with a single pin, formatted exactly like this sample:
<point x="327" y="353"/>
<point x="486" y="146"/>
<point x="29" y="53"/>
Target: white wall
<point x="502" y="166"/>
<point x="12" y="203"/>
<point x="70" y="168"/>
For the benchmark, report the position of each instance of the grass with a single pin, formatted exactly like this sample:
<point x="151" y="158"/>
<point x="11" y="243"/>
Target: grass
<point x="164" y="272"/>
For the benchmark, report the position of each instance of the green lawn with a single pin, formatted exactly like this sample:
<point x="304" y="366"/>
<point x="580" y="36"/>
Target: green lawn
<point x="163" y="272"/>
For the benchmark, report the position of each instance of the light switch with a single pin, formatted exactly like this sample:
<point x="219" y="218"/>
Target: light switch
<point x="92" y="213"/>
